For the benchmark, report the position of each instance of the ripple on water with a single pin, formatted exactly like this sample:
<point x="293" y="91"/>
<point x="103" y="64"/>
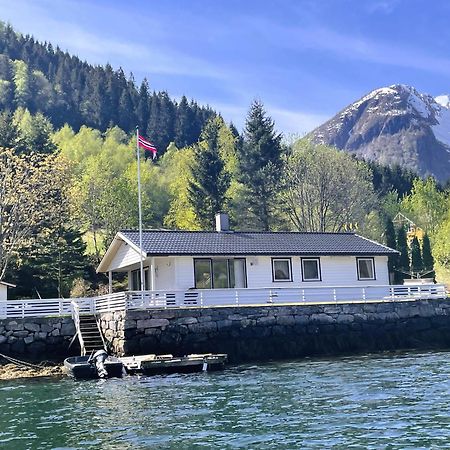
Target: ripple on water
<point x="377" y="401"/>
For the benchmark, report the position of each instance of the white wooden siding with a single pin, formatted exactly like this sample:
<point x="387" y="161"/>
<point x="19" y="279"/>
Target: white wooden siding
<point x="125" y="257"/>
<point x="335" y="271"/>
<point x="184" y="272"/>
<point x="165" y="273"/>
<point x="3" y="292"/>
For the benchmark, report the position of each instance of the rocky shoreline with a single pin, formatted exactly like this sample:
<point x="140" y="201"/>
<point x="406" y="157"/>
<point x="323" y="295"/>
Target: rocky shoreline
<point x="10" y="371"/>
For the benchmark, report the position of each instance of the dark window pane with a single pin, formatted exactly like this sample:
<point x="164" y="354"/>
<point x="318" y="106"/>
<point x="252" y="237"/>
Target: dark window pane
<point x="281" y="270"/>
<point x="220" y="273"/>
<point x="311" y="269"/>
<point x="365" y="268"/>
<point x="202" y="273"/>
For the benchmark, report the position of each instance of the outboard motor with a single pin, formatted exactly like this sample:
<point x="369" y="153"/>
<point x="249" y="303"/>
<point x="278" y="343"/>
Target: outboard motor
<point x="98" y="360"/>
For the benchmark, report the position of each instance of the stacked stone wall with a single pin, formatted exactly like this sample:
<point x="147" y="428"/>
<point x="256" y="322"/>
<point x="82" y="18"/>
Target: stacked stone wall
<point x="38" y="338"/>
<point x="259" y="333"/>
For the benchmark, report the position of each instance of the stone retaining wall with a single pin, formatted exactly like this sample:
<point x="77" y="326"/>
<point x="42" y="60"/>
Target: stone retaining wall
<point x="245" y="333"/>
<point x="38" y="338"/>
<point x="258" y="333"/>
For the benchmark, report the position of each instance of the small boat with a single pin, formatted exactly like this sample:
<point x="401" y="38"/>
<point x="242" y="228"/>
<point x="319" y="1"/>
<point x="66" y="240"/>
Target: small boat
<point x="98" y="365"/>
<point x="167" y="364"/>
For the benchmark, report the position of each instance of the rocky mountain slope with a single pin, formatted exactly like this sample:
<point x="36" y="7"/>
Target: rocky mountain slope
<point x="394" y="125"/>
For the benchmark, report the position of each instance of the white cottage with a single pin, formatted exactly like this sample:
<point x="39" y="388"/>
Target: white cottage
<point x="221" y="259"/>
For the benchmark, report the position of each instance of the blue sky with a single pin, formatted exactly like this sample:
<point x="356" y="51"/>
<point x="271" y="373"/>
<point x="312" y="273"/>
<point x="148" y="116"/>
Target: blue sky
<point x="305" y="60"/>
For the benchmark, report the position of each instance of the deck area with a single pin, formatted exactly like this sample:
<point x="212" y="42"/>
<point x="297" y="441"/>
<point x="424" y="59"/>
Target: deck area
<point x="207" y="298"/>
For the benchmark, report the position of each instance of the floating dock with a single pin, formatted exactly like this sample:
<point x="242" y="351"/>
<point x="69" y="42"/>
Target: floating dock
<point x="167" y="364"/>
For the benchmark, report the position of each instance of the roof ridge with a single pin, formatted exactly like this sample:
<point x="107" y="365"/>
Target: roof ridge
<point x="240" y="232"/>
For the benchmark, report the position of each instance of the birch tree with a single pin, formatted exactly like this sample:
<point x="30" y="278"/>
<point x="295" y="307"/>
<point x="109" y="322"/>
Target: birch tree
<point x="325" y="189"/>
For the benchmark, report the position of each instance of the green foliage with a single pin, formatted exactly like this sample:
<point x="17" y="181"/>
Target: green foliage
<point x="34" y="132"/>
<point x="427" y="257"/>
<point x="40" y="78"/>
<point x="394" y="178"/>
<point x="416" y="257"/>
<point x="30" y="199"/>
<point x="176" y="169"/>
<point x="391" y="242"/>
<point x="259" y="161"/>
<point x="210" y="181"/>
<point x="325" y="189"/>
<point x="50" y="264"/>
<point x="426" y="205"/>
<point x="402" y="247"/>
<point x="9" y="132"/>
<point x="441" y="247"/>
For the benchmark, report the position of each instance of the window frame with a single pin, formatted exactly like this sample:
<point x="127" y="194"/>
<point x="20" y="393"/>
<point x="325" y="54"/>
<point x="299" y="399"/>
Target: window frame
<point x="319" y="270"/>
<point x="368" y="258"/>
<point x="136" y="276"/>
<point x="291" y="278"/>
<point x="211" y="265"/>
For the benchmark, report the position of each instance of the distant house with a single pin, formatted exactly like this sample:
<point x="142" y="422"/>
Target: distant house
<point x="4" y="290"/>
<point x="221" y="259"/>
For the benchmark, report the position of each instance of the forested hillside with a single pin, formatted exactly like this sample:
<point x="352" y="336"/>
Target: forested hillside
<point x="68" y="175"/>
<point x="45" y="79"/>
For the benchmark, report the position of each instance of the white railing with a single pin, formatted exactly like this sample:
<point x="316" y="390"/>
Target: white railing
<point x="281" y="296"/>
<point x="76" y="319"/>
<point x="35" y="308"/>
<point x="135" y="300"/>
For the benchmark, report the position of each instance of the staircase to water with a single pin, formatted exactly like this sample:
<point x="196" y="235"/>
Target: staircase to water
<point x="90" y="335"/>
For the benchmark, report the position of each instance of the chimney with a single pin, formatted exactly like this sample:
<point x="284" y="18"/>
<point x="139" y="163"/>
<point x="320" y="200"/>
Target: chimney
<point x="222" y="222"/>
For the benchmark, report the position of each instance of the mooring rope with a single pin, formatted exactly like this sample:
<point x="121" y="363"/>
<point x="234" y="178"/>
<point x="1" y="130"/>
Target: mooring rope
<point x="18" y="362"/>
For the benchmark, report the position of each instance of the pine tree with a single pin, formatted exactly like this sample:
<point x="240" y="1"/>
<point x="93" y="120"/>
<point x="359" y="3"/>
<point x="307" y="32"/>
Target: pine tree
<point x="391" y="242"/>
<point x="143" y="111"/>
<point x="259" y="161"/>
<point x="416" y="257"/>
<point x="184" y="132"/>
<point x="9" y="133"/>
<point x="427" y="256"/>
<point x="402" y="247"/>
<point x="210" y="180"/>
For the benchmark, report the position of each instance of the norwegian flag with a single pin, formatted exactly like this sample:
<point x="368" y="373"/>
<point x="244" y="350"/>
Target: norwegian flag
<point x="147" y="145"/>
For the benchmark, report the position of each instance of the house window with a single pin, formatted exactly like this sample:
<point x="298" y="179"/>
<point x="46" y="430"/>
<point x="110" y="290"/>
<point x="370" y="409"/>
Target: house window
<point x="203" y="270"/>
<point x="281" y="269"/>
<point x="366" y="268"/>
<point x="311" y="269"/>
<point x="220" y="273"/>
<point x="136" y="279"/>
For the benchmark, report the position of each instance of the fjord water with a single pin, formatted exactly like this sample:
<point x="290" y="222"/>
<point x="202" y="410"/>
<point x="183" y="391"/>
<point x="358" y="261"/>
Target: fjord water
<point x="379" y="401"/>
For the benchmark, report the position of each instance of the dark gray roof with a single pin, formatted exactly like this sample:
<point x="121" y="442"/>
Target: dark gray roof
<point x="160" y="243"/>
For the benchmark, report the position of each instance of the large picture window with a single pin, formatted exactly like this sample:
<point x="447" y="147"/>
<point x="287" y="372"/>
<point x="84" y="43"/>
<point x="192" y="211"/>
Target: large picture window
<point x="281" y="269"/>
<point x="366" y="268"/>
<point x="220" y="273"/>
<point x="311" y="269"/>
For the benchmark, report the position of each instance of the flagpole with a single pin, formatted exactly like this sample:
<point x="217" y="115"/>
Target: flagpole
<point x="140" y="207"/>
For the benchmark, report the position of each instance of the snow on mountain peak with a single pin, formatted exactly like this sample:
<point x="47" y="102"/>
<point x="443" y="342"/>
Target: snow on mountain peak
<point x="443" y="100"/>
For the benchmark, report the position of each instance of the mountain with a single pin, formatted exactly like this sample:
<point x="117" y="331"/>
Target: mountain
<point x="394" y="125"/>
